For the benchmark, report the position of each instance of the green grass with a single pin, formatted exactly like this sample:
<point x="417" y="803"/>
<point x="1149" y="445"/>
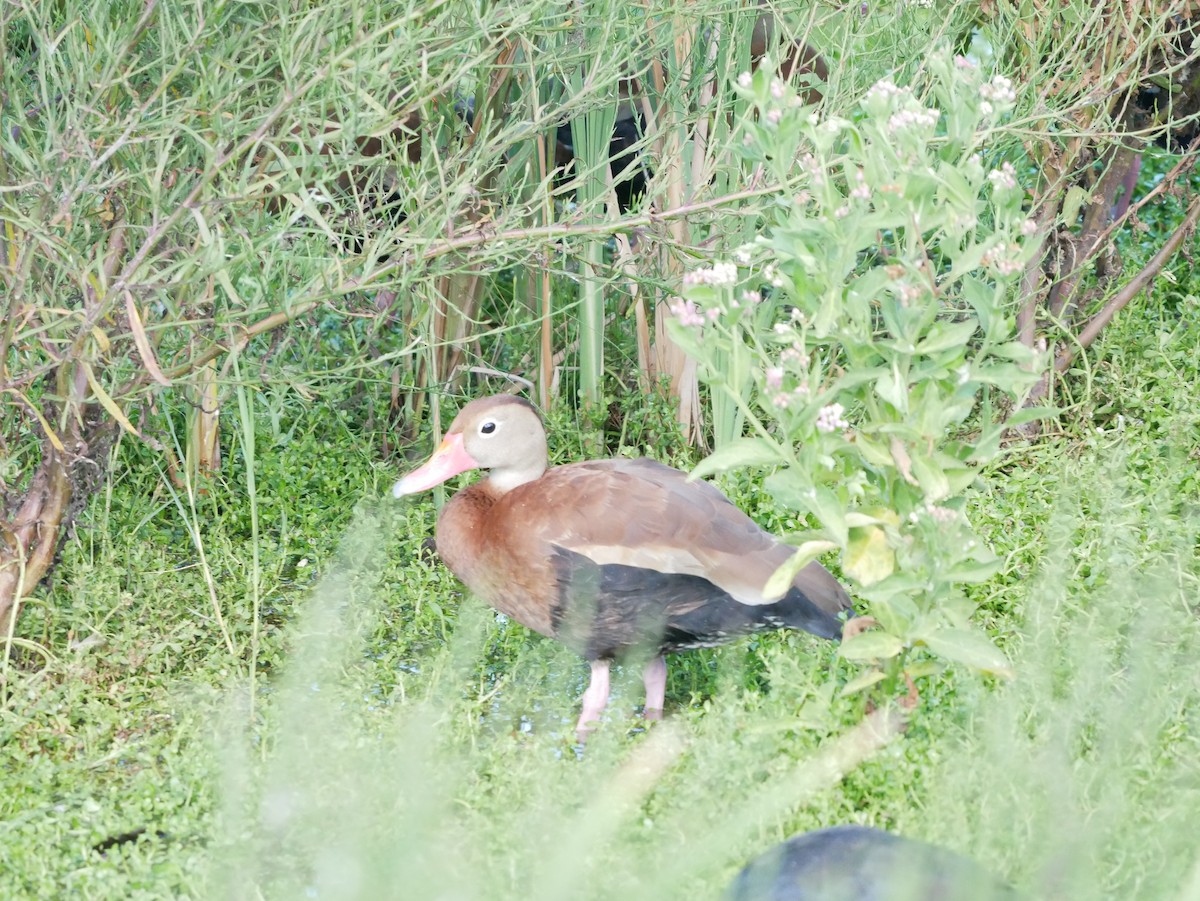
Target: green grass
<point x="401" y="736"/>
<point x="264" y="690"/>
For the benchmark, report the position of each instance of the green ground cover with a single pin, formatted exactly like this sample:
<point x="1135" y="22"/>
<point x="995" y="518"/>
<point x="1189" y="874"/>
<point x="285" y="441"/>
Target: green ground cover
<point x="261" y="686"/>
<point x="395" y="733"/>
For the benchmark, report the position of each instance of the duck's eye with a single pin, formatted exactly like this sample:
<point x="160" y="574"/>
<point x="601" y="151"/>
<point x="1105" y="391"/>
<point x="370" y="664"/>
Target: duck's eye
<point x="487" y="428"/>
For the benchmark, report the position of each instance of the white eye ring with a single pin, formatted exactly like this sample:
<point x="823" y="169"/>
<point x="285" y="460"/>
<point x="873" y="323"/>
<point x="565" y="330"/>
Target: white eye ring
<point x="487" y="428"/>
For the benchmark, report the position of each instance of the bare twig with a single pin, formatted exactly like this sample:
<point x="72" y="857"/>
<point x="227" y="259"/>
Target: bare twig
<point x="1068" y="351"/>
<point x="1081" y="247"/>
<point x="1030" y="291"/>
<point x="1131" y="290"/>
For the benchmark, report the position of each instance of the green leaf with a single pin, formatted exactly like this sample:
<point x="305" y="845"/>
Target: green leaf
<point x="868" y="558"/>
<point x="892" y="388"/>
<point x="738" y="454"/>
<point x="923" y="668"/>
<point x="900" y="321"/>
<point x="862" y="292"/>
<point x="687" y="338"/>
<point x="896" y="615"/>
<point x="107" y="402"/>
<point x="970" y="647"/>
<point x="1030" y="414"/>
<point x="852" y="378"/>
<point x="968" y="261"/>
<point x="973" y="571"/>
<point x="704" y="295"/>
<point x="1006" y="376"/>
<point x="900" y="589"/>
<point x="958" y="475"/>
<point x="789" y="487"/>
<point x="781" y="580"/>
<point x="957" y="189"/>
<point x="985" y="299"/>
<point x="856" y="519"/>
<point x="872" y="451"/>
<point x="873" y="645"/>
<point x="959" y="478"/>
<point x="933" y="481"/>
<point x="943" y="336"/>
<point x="1017" y="353"/>
<point x="863" y="681"/>
<point x="1075" y="199"/>
<point x="828" y="509"/>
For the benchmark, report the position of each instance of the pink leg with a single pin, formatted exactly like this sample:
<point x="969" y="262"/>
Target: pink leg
<point x="654" y="677"/>
<point x="595" y="699"/>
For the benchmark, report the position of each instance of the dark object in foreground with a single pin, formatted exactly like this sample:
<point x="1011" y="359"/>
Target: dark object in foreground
<point x="126" y="838"/>
<point x="858" y="863"/>
<point x="609" y="556"/>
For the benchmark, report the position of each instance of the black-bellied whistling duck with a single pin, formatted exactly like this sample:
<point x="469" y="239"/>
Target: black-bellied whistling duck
<point x="857" y="863"/>
<point x="609" y="556"/>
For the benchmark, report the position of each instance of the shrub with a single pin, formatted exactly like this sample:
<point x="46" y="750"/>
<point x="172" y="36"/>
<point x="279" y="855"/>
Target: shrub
<point x="867" y="337"/>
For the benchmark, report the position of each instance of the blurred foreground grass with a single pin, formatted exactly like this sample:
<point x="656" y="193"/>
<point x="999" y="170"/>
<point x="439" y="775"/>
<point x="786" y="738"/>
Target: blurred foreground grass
<point x="400" y="745"/>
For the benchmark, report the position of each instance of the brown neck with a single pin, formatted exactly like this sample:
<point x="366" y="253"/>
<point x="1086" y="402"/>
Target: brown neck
<point x="460" y="531"/>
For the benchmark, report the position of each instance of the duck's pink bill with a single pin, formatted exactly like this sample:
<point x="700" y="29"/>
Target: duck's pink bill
<point x="447" y="461"/>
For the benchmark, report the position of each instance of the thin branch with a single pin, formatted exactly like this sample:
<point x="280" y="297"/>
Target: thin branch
<point x="1084" y="252"/>
<point x="1090" y="332"/>
<point x="1027" y="315"/>
<point x="1103" y="196"/>
<point x="480" y="237"/>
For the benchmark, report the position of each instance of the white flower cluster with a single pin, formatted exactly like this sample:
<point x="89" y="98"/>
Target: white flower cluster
<point x="909" y="293"/>
<point x="860" y="191"/>
<point x="784" y="399"/>
<point x="719" y="275"/>
<point x="940" y="515"/>
<point x="830" y="419"/>
<point x="808" y="163"/>
<point x="998" y="91"/>
<point x="686" y="312"/>
<point x="794" y="354"/>
<point x="1004" y="260"/>
<point x="909" y="118"/>
<point x="1004" y="177"/>
<point x="884" y="89"/>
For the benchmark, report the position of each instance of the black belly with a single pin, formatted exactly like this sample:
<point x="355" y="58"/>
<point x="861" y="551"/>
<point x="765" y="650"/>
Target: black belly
<point x="605" y="610"/>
